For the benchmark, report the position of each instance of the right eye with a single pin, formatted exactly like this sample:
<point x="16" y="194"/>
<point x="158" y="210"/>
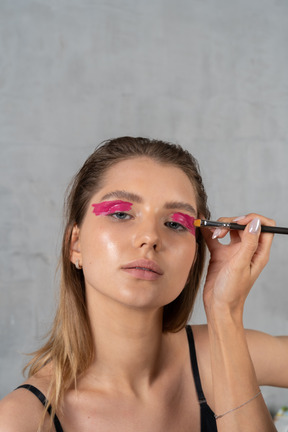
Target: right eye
<point x="120" y="215"/>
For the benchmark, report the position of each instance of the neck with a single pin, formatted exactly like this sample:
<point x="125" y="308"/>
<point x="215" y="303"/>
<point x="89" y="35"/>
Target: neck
<point x="129" y="344"/>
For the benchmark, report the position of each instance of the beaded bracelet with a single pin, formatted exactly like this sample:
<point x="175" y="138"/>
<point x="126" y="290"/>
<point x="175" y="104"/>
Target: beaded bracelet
<point x="240" y="406"/>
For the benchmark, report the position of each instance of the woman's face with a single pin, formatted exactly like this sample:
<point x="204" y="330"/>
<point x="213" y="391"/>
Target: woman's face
<point x="136" y="243"/>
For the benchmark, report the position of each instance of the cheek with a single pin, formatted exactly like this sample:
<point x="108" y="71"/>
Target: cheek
<point x="184" y="257"/>
<point x="188" y="252"/>
<point x="102" y="246"/>
<point x="182" y="261"/>
<point x="106" y="240"/>
<point x="100" y="258"/>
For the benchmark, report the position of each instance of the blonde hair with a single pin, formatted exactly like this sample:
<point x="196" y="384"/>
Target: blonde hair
<point x="69" y="348"/>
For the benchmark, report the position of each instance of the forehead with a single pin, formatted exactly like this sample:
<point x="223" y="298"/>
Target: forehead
<point x="147" y="177"/>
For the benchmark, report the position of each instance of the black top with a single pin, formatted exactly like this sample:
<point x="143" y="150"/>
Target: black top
<point x="208" y="422"/>
<point x="45" y="402"/>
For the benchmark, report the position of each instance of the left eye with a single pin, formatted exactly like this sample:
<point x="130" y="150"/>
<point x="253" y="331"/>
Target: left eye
<point x="175" y="226"/>
<point x="120" y="215"/>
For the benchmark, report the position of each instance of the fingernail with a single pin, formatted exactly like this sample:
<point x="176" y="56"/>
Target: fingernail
<point x="255" y="226"/>
<point x="216" y="233"/>
<point x="239" y="218"/>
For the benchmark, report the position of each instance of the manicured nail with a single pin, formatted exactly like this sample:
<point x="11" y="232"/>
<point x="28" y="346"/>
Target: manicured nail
<point x="216" y="233"/>
<point x="255" y="226"/>
<point x="239" y="218"/>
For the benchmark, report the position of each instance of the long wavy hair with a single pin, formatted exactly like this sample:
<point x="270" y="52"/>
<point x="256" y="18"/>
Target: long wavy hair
<point x="69" y="349"/>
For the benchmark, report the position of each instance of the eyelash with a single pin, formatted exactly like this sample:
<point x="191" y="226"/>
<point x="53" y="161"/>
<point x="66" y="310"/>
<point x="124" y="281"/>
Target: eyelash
<point x="175" y="226"/>
<point x="116" y="214"/>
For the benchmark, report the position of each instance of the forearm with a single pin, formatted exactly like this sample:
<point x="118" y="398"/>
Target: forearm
<point x="234" y="378"/>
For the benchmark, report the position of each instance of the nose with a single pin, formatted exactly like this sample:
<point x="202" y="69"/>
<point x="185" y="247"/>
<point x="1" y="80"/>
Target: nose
<point x="148" y="236"/>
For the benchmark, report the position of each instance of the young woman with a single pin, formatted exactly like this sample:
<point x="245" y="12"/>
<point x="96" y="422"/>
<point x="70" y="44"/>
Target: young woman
<point x="121" y="356"/>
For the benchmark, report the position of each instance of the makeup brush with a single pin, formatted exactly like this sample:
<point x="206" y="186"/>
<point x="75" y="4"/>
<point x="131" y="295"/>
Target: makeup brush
<point x="235" y="226"/>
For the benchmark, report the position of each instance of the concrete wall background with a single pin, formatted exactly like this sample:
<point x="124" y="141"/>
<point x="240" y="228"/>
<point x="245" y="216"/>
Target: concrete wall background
<point x="209" y="75"/>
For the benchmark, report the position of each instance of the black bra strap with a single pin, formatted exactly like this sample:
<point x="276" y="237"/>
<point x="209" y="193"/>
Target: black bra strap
<point x="194" y="365"/>
<point x="45" y="402"/>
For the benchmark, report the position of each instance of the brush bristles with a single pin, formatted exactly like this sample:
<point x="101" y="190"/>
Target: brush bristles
<point x="197" y="222"/>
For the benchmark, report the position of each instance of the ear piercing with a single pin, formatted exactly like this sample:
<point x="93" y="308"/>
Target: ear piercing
<point x="78" y="265"/>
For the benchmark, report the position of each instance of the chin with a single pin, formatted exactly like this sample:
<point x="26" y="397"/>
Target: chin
<point x="146" y="298"/>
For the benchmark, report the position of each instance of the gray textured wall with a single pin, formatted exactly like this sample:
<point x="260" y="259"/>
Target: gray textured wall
<point x="211" y="75"/>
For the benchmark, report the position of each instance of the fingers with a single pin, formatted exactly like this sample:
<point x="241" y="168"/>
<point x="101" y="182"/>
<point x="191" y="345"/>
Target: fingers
<point x="210" y="242"/>
<point x="261" y="243"/>
<point x="264" y="240"/>
<point x="249" y="243"/>
<point x="211" y="234"/>
<point x="240" y="220"/>
<point x="254" y="251"/>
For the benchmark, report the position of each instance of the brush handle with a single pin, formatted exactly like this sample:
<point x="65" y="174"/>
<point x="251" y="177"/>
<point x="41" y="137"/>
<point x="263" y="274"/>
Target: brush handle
<point x="231" y="225"/>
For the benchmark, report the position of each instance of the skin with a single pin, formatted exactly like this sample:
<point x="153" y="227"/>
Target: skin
<point x="107" y="243"/>
<point x="139" y="374"/>
<point x="134" y="360"/>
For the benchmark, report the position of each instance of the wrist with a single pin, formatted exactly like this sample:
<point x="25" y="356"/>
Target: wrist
<point x="224" y="320"/>
<point x="223" y="317"/>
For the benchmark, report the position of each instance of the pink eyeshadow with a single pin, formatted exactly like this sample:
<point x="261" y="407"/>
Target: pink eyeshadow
<point x="185" y="220"/>
<point x="108" y="207"/>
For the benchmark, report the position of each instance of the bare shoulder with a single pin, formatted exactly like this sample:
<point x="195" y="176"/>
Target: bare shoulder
<point x="202" y="347"/>
<point x="269" y="354"/>
<point x="21" y="410"/>
<point x="201" y="338"/>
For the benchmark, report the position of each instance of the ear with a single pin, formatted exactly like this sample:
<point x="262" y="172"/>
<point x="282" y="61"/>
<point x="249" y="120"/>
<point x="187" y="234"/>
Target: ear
<point x="75" y="246"/>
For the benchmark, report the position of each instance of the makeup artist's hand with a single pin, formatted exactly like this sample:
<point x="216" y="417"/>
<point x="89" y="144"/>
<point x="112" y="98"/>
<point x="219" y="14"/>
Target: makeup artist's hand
<point x="234" y="267"/>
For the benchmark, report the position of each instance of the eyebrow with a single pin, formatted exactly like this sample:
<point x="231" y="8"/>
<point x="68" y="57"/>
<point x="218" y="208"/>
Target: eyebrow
<point x="178" y="205"/>
<point x="122" y="194"/>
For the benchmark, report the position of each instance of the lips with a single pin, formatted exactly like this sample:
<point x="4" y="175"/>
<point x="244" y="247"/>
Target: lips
<point x="143" y="266"/>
